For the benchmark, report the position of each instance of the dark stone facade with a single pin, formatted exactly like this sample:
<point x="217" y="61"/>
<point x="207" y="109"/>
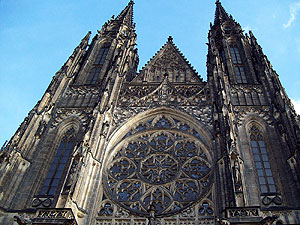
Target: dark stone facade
<point x="108" y="145"/>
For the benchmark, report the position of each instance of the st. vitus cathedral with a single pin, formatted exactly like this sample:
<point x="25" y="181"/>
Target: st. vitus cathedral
<point x="107" y="145"/>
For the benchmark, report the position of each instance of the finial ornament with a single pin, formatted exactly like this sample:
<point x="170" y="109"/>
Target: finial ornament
<point x="170" y="39"/>
<point x="218" y="2"/>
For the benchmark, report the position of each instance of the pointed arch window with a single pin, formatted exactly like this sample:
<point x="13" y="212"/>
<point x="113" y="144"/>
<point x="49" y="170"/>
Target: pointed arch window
<point x="239" y="69"/>
<point x="93" y="75"/>
<point x="97" y="66"/>
<point x="261" y="160"/>
<point x="223" y="57"/>
<point x="235" y="54"/>
<point x="59" y="165"/>
<point x="100" y="59"/>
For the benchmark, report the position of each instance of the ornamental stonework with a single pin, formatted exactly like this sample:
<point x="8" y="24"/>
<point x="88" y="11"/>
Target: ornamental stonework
<point x="162" y="163"/>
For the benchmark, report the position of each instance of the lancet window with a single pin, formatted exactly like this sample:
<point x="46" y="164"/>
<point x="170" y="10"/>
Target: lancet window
<point x="97" y="66"/>
<point x="58" y="167"/>
<point x="239" y="69"/>
<point x="160" y="164"/>
<point x="101" y="56"/>
<point x="223" y="59"/>
<point x="261" y="160"/>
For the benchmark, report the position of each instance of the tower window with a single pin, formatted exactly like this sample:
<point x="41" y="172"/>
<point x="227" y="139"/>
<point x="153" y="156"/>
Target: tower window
<point x="235" y="54"/>
<point x="101" y="56"/>
<point x="240" y="74"/>
<point x="93" y="75"/>
<point x="239" y="69"/>
<point x="261" y="160"/>
<point x="99" y="61"/>
<point x="58" y="166"/>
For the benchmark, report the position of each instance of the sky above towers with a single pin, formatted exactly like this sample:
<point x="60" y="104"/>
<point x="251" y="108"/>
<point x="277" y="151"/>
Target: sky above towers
<point x="37" y="37"/>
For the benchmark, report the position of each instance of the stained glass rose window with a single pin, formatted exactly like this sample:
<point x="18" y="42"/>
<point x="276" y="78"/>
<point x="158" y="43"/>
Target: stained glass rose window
<point x="164" y="166"/>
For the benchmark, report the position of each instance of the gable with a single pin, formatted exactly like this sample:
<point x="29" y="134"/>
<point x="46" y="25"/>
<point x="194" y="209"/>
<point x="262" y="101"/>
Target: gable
<point x="168" y="60"/>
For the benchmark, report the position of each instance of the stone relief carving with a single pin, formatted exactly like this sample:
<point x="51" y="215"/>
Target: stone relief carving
<point x="168" y="59"/>
<point x="164" y="94"/>
<point x="62" y="114"/>
<point x="188" y="216"/>
<point x="202" y="114"/>
<point x="82" y="90"/>
<point x="246" y="88"/>
<point x="191" y="99"/>
<point x="243" y="212"/>
<point x="262" y="111"/>
<point x="122" y="114"/>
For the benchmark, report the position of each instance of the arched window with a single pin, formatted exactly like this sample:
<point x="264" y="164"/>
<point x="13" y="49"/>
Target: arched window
<point x="261" y="159"/>
<point x="59" y="165"/>
<point x="239" y="69"/>
<point x="97" y="66"/>
<point x="101" y="56"/>
<point x="93" y="75"/>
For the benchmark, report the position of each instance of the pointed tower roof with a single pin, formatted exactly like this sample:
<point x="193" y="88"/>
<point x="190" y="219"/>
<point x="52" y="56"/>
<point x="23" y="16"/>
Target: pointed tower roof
<point x="168" y="59"/>
<point x="126" y="16"/>
<point x="221" y="15"/>
<point x="84" y="42"/>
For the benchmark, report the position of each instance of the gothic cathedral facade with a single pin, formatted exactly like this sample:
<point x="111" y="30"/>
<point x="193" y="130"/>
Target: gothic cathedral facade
<point x="109" y="146"/>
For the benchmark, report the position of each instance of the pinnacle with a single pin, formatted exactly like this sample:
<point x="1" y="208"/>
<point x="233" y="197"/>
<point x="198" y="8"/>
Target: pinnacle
<point x="221" y="14"/>
<point x="126" y="16"/>
<point x="87" y="36"/>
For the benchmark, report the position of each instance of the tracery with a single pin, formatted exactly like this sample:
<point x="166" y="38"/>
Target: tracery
<point x="160" y="163"/>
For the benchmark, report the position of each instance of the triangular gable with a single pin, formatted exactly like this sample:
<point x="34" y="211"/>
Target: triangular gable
<point x="168" y="60"/>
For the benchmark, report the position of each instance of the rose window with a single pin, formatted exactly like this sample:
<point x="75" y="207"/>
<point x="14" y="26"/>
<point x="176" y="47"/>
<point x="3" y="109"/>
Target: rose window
<point x="159" y="166"/>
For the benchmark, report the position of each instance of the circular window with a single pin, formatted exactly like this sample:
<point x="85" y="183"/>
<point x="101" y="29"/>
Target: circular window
<point x="159" y="168"/>
<point x="165" y="170"/>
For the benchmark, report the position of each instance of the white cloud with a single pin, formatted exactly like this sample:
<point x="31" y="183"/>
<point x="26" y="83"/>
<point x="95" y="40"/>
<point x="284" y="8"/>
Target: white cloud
<point x="296" y="105"/>
<point x="293" y="11"/>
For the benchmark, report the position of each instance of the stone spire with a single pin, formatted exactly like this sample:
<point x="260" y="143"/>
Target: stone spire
<point x="221" y="15"/>
<point x="84" y="42"/>
<point x="126" y="16"/>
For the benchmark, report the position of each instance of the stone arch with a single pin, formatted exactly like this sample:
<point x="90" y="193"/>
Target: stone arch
<point x="178" y="145"/>
<point x="53" y="139"/>
<point x="117" y="135"/>
<point x="68" y="123"/>
<point x="257" y="154"/>
<point x="253" y="119"/>
<point x="55" y="135"/>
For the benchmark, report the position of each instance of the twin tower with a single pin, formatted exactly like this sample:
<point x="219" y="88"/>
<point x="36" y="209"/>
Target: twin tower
<point x="109" y="146"/>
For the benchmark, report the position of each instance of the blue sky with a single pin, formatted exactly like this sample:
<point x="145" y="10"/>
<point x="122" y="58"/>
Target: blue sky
<point x="37" y="37"/>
